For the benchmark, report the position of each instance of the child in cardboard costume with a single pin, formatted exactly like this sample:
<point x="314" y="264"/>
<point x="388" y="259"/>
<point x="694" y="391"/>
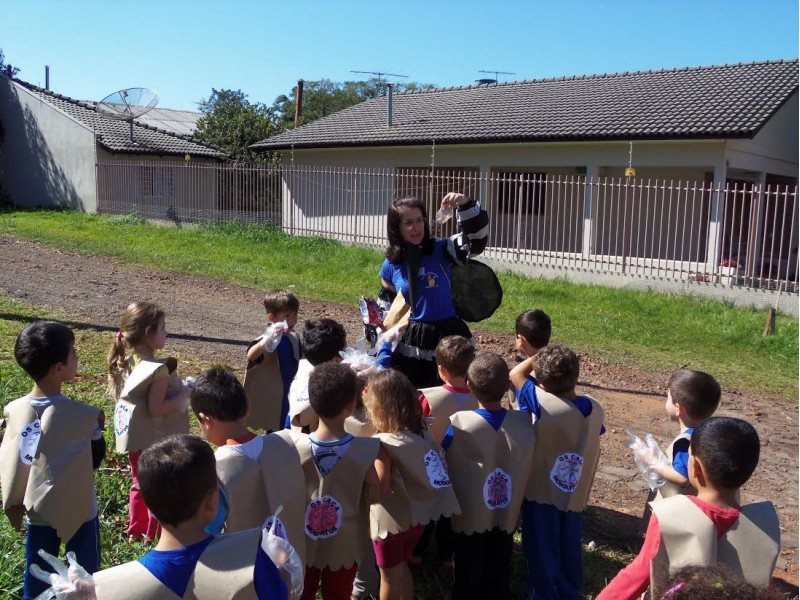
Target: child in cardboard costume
<point x="257" y="473"/>
<point x="568" y="429"/>
<point x="421" y="488"/>
<point x="532" y="331"/>
<point x="340" y="476"/>
<point x="50" y="448"/>
<point x="152" y="401"/>
<point x="489" y="452"/>
<point x="323" y="339"/>
<point x="178" y="480"/>
<point x="711" y="527"/>
<point x="272" y="361"/>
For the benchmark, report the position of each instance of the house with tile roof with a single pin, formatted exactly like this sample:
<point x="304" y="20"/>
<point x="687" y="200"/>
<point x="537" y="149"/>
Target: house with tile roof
<point x="726" y="125"/>
<point x="52" y="144"/>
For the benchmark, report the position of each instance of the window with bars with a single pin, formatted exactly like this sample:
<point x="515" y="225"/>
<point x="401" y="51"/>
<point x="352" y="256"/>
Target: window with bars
<point x="156" y="182"/>
<point x="520" y="192"/>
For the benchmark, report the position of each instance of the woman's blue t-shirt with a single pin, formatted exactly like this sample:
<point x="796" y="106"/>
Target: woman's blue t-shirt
<point x="434" y="300"/>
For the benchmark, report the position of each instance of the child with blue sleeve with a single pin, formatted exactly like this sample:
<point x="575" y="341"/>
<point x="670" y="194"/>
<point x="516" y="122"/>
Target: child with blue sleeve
<point x="565" y="457"/>
<point x="272" y="362"/>
<point x="489" y="456"/>
<point x="531" y="333"/>
<point x="178" y="479"/>
<point x="692" y="397"/>
<point x="50" y="447"/>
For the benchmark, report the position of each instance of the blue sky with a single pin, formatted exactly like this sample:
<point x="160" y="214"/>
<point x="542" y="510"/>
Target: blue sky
<point x="183" y="49"/>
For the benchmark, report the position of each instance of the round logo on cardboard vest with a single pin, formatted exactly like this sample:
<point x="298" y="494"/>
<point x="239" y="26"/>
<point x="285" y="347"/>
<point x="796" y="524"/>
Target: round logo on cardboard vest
<point x="437" y="474"/>
<point x="323" y="518"/>
<point x="122" y="418"/>
<point x="566" y="471"/>
<point x="497" y="490"/>
<point x="29" y="441"/>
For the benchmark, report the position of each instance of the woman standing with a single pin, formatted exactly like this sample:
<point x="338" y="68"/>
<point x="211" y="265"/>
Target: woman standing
<point x="419" y="267"/>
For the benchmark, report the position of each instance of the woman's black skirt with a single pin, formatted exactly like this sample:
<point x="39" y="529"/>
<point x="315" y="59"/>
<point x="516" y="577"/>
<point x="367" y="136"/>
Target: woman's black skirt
<point x="415" y="354"/>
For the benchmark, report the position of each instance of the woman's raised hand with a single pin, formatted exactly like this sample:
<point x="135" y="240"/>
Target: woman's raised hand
<point x="453" y="200"/>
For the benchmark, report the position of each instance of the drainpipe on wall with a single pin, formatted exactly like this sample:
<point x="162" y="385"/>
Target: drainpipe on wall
<point x="47" y="77"/>
<point x="389" y="104"/>
<point x="298" y="106"/>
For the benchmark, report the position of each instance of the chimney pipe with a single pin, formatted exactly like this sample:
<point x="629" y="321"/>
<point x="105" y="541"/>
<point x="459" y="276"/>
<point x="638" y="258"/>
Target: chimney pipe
<point x="298" y="105"/>
<point x="47" y="77"/>
<point x="389" y="104"/>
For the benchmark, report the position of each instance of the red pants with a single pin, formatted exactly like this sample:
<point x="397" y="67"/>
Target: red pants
<point x="141" y="522"/>
<point x="336" y="585"/>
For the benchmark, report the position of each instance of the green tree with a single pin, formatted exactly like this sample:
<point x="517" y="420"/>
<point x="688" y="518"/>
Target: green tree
<point x="7" y="69"/>
<point x="324" y="97"/>
<point x="233" y="123"/>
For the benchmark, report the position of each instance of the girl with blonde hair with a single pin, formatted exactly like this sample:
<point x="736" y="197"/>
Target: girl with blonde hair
<point x="152" y="401"/>
<point x="421" y="488"/>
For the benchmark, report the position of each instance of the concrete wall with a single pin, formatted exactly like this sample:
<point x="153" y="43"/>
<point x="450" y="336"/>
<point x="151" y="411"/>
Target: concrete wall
<point x="47" y="158"/>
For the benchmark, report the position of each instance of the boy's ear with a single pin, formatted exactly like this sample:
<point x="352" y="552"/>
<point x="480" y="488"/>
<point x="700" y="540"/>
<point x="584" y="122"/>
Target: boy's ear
<point x="696" y="472"/>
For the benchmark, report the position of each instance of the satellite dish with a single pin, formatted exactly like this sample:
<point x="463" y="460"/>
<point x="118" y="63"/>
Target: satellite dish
<point x="128" y="104"/>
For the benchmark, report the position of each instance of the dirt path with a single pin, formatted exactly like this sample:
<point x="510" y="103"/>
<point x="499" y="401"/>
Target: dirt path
<point x="213" y="320"/>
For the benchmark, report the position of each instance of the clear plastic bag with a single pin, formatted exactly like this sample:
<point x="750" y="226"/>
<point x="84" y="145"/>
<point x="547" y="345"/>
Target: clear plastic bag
<point x="443" y="215"/>
<point x="359" y="358"/>
<point x="272" y="335"/>
<point x="67" y="582"/>
<point x="648" y="458"/>
<point x="283" y="554"/>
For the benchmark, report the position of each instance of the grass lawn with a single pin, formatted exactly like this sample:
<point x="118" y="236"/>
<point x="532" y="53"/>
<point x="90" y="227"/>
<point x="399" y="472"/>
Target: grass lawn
<point x="652" y="330"/>
<point x="113" y="480"/>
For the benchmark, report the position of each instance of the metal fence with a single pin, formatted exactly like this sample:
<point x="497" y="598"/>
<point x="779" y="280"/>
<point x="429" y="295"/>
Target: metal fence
<point x="736" y="235"/>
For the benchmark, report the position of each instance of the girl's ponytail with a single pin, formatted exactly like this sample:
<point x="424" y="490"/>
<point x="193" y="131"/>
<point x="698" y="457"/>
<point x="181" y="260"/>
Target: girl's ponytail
<point x="117" y="366"/>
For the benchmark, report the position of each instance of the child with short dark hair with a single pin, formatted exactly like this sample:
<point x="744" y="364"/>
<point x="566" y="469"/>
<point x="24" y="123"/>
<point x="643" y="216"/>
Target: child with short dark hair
<point x="323" y="339"/>
<point x="272" y="361"/>
<point x="711" y="527"/>
<point x="257" y="473"/>
<point x="339" y="469"/>
<point x="712" y="582"/>
<point x="532" y="330"/>
<point x="489" y="458"/>
<point x="178" y="480"/>
<point x="692" y="397"/>
<point x="568" y="429"/>
<point x="50" y="448"/>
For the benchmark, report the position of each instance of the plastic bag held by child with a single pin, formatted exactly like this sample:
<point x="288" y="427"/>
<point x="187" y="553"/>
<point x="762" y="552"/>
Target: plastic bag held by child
<point x="648" y="458"/>
<point x="71" y="582"/>
<point x="272" y="335"/>
<point x="359" y="358"/>
<point x="283" y="554"/>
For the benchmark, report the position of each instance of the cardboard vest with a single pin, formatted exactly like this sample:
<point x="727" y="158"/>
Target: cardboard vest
<point x="285" y="485"/>
<point x="134" y="426"/>
<point x="489" y="470"/>
<point x="51" y="479"/>
<point x="566" y="453"/>
<point x="421" y="488"/>
<point x="300" y="412"/>
<point x="240" y="477"/>
<point x="689" y="537"/>
<point x="669" y="489"/>
<point x="337" y="506"/>
<point x="224" y="570"/>
<point x="263" y="386"/>
<point x="444" y="404"/>
<point x="358" y="425"/>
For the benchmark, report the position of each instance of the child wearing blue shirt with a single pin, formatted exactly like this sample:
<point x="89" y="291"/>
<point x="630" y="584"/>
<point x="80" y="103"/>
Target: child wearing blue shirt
<point x="178" y="479"/>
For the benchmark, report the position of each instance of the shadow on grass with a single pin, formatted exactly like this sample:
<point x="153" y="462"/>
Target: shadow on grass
<point x="95" y="327"/>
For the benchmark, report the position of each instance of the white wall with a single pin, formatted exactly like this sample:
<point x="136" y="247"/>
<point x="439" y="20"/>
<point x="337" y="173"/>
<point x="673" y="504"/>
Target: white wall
<point x="47" y="158"/>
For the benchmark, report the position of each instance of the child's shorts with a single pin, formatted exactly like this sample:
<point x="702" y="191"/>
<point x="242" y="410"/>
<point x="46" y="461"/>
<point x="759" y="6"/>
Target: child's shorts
<point x="396" y="548"/>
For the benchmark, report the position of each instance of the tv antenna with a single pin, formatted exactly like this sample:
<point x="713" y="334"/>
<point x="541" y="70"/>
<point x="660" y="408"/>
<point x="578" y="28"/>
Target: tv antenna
<point x="378" y="74"/>
<point x="127" y="104"/>
<point x="496" y="73"/>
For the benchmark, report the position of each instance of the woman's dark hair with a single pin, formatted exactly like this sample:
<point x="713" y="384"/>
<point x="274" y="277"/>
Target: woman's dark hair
<point x="396" y="252"/>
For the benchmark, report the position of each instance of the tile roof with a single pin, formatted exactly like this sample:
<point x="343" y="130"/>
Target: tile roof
<point x="114" y="134"/>
<point x="170" y="119"/>
<point x="727" y="101"/>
